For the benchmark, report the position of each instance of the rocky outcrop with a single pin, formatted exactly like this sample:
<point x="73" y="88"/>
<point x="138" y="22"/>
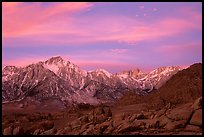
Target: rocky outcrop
<point x="18" y="131"/>
<point x="183" y="119"/>
<point x="197" y="118"/>
<point x="8" y="130"/>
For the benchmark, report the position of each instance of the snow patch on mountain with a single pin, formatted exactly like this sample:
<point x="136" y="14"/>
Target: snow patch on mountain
<point x="52" y="67"/>
<point x="123" y="76"/>
<point x="102" y="71"/>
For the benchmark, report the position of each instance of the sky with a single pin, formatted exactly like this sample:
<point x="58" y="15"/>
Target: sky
<point x="115" y="36"/>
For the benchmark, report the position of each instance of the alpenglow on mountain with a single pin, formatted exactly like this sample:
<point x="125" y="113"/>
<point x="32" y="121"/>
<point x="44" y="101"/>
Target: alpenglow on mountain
<point x="66" y="82"/>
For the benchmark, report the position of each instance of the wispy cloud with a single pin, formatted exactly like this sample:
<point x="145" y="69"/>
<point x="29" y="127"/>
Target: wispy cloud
<point x="21" y="18"/>
<point x="101" y="34"/>
<point x="49" y="24"/>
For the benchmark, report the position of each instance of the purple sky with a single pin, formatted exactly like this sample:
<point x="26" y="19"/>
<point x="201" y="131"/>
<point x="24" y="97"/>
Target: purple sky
<point x="114" y="36"/>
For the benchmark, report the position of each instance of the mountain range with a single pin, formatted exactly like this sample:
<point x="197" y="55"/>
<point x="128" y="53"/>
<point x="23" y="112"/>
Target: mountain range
<point x="61" y="80"/>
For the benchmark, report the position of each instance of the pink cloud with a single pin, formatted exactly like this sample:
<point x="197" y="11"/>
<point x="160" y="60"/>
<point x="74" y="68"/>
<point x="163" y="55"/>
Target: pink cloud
<point x="22" y="62"/>
<point x="21" y="18"/>
<point x="46" y="25"/>
<point x="82" y="63"/>
<point x="154" y="9"/>
<point x="178" y="49"/>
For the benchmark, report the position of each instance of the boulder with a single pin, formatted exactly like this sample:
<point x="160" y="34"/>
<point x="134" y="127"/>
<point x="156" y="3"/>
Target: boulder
<point x="84" y="119"/>
<point x="197" y="118"/>
<point x="181" y="113"/>
<point x="163" y="121"/>
<point x="148" y="115"/>
<point x="133" y="117"/>
<point x="109" y="130"/>
<point x="141" y="124"/>
<point x="46" y="125"/>
<point x="100" y="119"/>
<point x="18" y="131"/>
<point x="99" y="111"/>
<point x="152" y="123"/>
<point x="128" y="128"/>
<point x="33" y="128"/>
<point x="197" y="104"/>
<point x="59" y="132"/>
<point x="119" y="117"/>
<point x="49" y="132"/>
<point x="140" y="116"/>
<point x="37" y="132"/>
<point x="89" y="131"/>
<point x="107" y="111"/>
<point x="175" y="125"/>
<point x="84" y="127"/>
<point x="8" y="130"/>
<point x="160" y="113"/>
<point x="103" y="126"/>
<point x="76" y="122"/>
<point x="193" y="128"/>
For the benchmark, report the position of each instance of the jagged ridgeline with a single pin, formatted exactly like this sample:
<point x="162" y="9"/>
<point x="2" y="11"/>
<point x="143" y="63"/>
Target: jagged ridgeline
<point x="60" y="79"/>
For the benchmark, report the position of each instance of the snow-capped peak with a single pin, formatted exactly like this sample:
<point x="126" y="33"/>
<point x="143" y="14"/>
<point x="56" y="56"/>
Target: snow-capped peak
<point x="55" y="63"/>
<point x="63" y="68"/>
<point x="52" y="67"/>
<point x="130" y="73"/>
<point x="99" y="71"/>
<point x="55" y="59"/>
<point x="9" y="70"/>
<point x="73" y="84"/>
<point x="164" y="70"/>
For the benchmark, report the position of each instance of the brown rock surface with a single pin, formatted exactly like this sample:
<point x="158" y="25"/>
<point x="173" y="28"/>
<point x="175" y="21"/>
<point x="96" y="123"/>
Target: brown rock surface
<point x="193" y="128"/>
<point x="84" y="119"/>
<point x="49" y="132"/>
<point x="18" y="131"/>
<point x="37" y="131"/>
<point x="8" y="130"/>
<point x="184" y="87"/>
<point x="183" y="112"/>
<point x="128" y="128"/>
<point x="175" y="125"/>
<point x="46" y="125"/>
<point x="197" y="104"/>
<point x="197" y="118"/>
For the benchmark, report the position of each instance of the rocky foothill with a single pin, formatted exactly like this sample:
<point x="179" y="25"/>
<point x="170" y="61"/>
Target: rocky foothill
<point x="185" y="119"/>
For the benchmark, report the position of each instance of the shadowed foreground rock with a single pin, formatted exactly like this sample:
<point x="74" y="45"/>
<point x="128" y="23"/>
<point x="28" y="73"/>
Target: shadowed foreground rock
<point x="182" y="120"/>
<point x="185" y="119"/>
